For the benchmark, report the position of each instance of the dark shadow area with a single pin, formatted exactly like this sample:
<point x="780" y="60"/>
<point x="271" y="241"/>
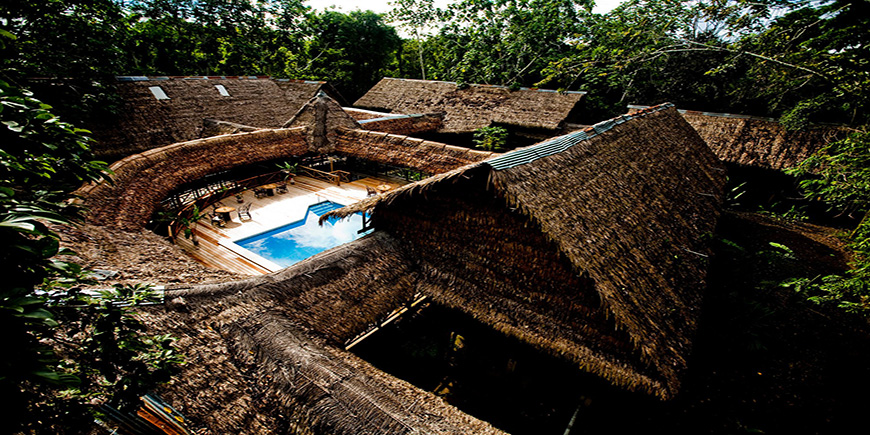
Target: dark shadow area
<point x="515" y="139"/>
<point x="772" y="192"/>
<point x="490" y="376"/>
<point x="765" y="360"/>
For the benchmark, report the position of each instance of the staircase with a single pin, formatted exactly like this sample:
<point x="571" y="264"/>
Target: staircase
<point x="321" y="208"/>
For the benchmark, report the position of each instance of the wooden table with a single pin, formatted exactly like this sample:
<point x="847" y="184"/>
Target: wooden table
<point x="224" y="213"/>
<point x="270" y="188"/>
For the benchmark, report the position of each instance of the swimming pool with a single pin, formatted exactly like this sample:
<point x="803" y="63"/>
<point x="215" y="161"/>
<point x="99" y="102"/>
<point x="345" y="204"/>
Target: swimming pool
<point x="296" y="241"/>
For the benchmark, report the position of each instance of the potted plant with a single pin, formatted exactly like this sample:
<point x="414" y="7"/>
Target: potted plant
<point x="188" y="223"/>
<point x="289" y="171"/>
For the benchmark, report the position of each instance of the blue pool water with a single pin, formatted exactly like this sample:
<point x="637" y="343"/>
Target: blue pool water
<point x="299" y="240"/>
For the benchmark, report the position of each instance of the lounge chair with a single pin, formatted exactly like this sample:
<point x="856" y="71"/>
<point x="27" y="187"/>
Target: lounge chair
<point x="245" y="212"/>
<point x="216" y="220"/>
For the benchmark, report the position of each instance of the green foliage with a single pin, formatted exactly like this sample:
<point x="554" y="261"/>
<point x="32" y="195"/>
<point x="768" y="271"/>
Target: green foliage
<point x="74" y="46"/>
<point x="189" y="220"/>
<point x="801" y="61"/>
<point x="287" y="167"/>
<point x="418" y="17"/>
<point x="40" y="151"/>
<point x="65" y="350"/>
<point x="811" y="63"/>
<point x="804" y="61"/>
<point x="103" y="345"/>
<point x="216" y="37"/>
<point x="490" y="138"/>
<point x="350" y="50"/>
<point x="839" y="175"/>
<point x="412" y="174"/>
<point x="63" y="38"/>
<point x="504" y="41"/>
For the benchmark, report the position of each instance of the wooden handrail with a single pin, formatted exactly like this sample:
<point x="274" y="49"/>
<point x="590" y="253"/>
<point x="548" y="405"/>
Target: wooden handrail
<point x="204" y="201"/>
<point x="333" y="177"/>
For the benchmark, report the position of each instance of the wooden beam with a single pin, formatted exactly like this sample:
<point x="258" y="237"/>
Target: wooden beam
<point x="393" y="316"/>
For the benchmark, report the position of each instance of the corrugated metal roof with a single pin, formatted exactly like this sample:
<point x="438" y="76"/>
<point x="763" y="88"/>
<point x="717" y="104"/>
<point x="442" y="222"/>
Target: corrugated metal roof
<point x="558" y="144"/>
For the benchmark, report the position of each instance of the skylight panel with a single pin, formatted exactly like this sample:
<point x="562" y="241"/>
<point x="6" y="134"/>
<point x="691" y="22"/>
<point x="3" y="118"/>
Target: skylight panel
<point x="158" y="92"/>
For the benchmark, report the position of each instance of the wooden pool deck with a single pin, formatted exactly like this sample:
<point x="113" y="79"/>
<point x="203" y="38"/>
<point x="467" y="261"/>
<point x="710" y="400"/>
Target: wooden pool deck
<point x="267" y="213"/>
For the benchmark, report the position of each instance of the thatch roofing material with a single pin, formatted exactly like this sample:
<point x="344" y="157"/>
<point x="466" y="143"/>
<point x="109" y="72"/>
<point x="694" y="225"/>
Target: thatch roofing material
<point x="145" y="122"/>
<point x="324" y="116"/>
<point x="300" y="90"/>
<point x="759" y="142"/>
<point x="215" y="127"/>
<point x="283" y="333"/>
<point x="628" y="204"/>
<point x="422" y="155"/>
<point x="361" y="114"/>
<point x="473" y="107"/>
<point x="479" y="256"/>
<point x="408" y="125"/>
<point x="141" y="181"/>
<point x="643" y="196"/>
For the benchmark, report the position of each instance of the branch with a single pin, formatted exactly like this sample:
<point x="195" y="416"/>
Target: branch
<point x="749" y="53"/>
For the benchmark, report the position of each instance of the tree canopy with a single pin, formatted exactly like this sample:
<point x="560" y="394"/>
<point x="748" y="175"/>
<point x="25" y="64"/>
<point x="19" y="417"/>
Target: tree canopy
<point x="793" y="59"/>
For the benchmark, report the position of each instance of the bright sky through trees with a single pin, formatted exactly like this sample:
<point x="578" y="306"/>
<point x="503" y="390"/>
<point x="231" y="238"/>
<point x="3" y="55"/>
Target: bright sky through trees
<point x="382" y="6"/>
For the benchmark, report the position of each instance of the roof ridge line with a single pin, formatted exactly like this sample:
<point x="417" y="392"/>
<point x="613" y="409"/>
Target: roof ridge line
<point x="482" y="85"/>
<point x="559" y="144"/>
<point x="705" y="113"/>
<point x="383" y="118"/>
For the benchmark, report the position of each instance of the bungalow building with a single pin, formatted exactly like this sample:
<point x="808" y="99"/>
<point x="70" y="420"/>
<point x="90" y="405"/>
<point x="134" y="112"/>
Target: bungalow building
<point x="588" y="246"/>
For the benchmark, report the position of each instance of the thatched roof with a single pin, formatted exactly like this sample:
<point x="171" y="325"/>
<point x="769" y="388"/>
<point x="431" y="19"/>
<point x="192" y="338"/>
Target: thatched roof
<point x="758" y="142"/>
<point x="588" y="246"/>
<point x="144" y="122"/>
<point x="267" y="352"/>
<point x="215" y="127"/>
<point x="141" y="181"/>
<point x="405" y="124"/>
<point x="397" y="150"/>
<point x="627" y="203"/>
<point x="324" y="116"/>
<point x="473" y="107"/>
<point x="361" y="114"/>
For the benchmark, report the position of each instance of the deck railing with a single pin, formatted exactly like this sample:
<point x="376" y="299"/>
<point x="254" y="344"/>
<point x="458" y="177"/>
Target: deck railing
<point x="231" y="188"/>
<point x="205" y="200"/>
<point x="335" y="177"/>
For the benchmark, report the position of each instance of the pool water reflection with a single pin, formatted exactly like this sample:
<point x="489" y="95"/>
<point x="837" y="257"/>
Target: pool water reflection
<point x="296" y="241"/>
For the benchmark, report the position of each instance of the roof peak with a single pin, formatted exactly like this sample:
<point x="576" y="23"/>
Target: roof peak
<point x="559" y="144"/>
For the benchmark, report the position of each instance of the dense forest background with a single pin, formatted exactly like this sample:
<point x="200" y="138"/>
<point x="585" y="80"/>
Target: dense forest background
<point x="801" y="61"/>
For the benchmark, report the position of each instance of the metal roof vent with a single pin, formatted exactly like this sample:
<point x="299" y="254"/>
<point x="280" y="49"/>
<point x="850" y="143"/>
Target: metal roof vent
<point x="222" y="90"/>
